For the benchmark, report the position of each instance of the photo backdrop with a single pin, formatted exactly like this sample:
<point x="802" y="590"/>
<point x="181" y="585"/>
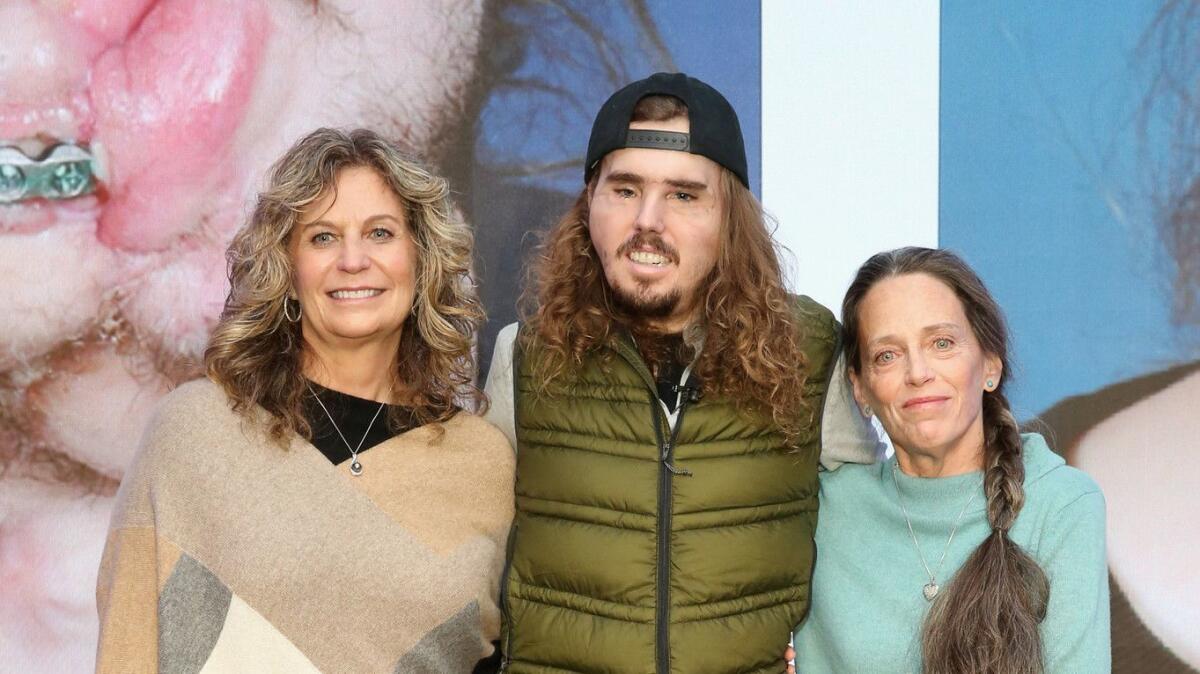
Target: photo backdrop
<point x="1054" y="147"/>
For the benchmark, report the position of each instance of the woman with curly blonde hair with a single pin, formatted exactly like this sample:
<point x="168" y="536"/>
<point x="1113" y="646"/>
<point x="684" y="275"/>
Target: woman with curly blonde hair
<point x="301" y="509"/>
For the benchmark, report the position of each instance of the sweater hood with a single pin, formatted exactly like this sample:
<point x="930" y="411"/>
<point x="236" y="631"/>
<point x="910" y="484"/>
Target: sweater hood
<point x="1040" y="460"/>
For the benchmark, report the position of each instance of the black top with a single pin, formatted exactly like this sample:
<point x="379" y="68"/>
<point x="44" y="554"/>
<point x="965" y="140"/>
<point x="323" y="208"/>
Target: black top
<point x="667" y="380"/>
<point x="352" y="415"/>
<point x="668" y="356"/>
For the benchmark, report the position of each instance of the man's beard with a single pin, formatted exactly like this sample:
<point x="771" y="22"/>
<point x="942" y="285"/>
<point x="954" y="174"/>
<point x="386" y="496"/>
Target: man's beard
<point x="638" y="304"/>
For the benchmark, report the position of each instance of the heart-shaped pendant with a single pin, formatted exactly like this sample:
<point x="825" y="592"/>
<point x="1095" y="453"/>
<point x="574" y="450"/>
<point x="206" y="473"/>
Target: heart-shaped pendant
<point x="930" y="590"/>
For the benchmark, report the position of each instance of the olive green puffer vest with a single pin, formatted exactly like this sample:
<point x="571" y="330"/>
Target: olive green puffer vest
<point x="638" y="548"/>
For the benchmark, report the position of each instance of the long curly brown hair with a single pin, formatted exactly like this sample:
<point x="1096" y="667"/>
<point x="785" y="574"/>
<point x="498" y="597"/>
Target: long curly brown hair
<point x="750" y="339"/>
<point x="255" y="354"/>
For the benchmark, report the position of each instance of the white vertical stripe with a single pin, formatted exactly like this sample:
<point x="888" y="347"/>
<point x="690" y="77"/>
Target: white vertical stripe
<point x="850" y="132"/>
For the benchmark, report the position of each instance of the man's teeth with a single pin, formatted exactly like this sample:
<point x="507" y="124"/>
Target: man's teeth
<point x="355" y="294"/>
<point x="643" y="257"/>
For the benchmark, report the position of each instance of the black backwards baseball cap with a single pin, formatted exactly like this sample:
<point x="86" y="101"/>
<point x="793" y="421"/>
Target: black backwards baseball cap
<point x="713" y="128"/>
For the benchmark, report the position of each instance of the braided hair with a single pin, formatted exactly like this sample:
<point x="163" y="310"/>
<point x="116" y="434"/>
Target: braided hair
<point x="986" y="620"/>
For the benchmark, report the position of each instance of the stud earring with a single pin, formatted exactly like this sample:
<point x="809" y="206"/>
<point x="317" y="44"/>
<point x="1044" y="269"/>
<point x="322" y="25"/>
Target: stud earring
<point x="866" y="410"/>
<point x="990" y="385"/>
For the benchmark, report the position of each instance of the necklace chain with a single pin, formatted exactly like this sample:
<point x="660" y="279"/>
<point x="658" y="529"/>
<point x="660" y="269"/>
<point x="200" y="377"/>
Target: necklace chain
<point x="355" y="466"/>
<point x="931" y="589"/>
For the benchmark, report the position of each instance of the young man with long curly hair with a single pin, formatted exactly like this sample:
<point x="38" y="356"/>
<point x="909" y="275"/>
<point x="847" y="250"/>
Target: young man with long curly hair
<point x="669" y="400"/>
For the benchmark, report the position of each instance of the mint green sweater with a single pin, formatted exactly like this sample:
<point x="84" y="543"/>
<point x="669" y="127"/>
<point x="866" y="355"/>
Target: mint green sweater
<point x="867" y="608"/>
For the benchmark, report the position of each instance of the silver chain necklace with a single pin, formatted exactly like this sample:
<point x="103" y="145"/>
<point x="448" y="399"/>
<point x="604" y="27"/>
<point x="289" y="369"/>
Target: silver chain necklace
<point x="355" y="466"/>
<point x="931" y="588"/>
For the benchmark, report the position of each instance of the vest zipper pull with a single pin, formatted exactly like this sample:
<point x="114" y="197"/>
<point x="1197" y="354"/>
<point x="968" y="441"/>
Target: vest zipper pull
<point x="666" y="460"/>
<point x="677" y="471"/>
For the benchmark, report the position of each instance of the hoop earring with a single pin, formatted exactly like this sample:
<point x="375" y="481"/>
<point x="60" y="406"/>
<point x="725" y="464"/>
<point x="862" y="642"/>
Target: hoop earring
<point x="287" y="314"/>
<point x="866" y="410"/>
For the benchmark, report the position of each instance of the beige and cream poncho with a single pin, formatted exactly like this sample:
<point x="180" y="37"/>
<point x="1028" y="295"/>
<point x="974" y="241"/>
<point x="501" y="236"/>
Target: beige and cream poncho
<point x="229" y="553"/>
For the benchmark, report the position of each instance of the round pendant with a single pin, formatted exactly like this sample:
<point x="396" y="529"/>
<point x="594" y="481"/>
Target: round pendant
<point x="356" y="469"/>
<point x="930" y="590"/>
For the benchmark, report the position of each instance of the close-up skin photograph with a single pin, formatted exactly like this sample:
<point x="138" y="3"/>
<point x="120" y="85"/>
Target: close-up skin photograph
<point x="637" y="336"/>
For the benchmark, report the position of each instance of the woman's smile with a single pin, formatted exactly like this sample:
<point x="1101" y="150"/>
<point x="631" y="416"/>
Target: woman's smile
<point x="925" y="403"/>
<point x="354" y="294"/>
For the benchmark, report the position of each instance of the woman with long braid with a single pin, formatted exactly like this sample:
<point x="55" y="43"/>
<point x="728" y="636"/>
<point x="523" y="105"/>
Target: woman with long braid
<point x="974" y="549"/>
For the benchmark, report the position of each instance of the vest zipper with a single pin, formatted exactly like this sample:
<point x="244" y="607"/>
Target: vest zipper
<point x="666" y="471"/>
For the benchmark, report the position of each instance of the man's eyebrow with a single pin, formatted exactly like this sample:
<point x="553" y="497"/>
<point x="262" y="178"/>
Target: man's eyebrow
<point x="690" y="185"/>
<point x="674" y="183"/>
<point x="625" y="177"/>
